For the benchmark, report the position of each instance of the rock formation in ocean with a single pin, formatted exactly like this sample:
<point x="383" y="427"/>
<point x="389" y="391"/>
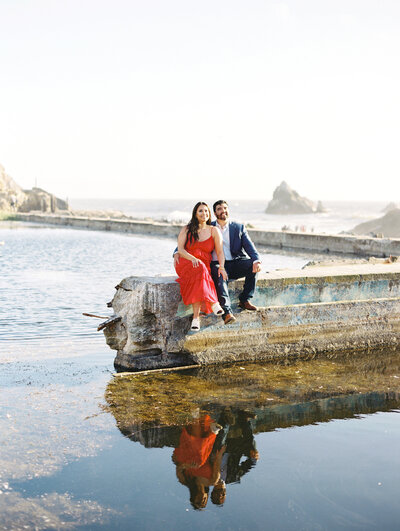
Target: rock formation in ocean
<point x="288" y="201"/>
<point x="320" y="208"/>
<point x="13" y="198"/>
<point x="387" y="226"/>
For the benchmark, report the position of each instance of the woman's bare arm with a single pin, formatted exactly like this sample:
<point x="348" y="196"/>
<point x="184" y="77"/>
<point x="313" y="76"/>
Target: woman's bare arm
<point x="181" y="248"/>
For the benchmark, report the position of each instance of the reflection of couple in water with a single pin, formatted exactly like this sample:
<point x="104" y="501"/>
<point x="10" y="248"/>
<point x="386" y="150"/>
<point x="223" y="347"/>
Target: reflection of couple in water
<point x="209" y="455"/>
<point x="208" y="255"/>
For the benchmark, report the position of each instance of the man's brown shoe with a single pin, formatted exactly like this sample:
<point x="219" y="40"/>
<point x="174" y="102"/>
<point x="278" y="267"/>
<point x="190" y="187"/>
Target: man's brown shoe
<point x="247" y="306"/>
<point x="229" y="318"/>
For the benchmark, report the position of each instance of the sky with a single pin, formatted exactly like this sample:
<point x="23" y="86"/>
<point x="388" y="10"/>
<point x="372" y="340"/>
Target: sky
<point x="182" y="98"/>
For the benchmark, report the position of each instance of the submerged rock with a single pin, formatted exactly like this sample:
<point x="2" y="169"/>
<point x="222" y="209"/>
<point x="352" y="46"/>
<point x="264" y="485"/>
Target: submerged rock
<point x="278" y="395"/>
<point x="288" y="201"/>
<point x="387" y="226"/>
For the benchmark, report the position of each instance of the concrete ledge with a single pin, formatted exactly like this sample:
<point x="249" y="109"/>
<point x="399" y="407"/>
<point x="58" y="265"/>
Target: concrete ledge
<point x="326" y="310"/>
<point x="315" y="243"/>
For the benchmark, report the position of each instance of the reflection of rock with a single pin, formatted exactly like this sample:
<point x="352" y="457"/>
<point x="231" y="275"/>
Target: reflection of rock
<point x="389" y="207"/>
<point x="387" y="226"/>
<point x="150" y="408"/>
<point x="13" y="198"/>
<point x="288" y="201"/>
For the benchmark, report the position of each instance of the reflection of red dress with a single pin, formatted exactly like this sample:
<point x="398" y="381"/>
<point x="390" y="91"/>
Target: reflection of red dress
<point x="194" y="450"/>
<point x="196" y="282"/>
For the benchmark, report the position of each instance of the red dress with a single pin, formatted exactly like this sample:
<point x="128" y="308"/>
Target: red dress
<point x="196" y="282"/>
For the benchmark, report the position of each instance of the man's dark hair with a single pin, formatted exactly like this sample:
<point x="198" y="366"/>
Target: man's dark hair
<point x="219" y="202"/>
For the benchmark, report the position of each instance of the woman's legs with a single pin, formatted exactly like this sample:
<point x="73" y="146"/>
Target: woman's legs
<point x="196" y="310"/>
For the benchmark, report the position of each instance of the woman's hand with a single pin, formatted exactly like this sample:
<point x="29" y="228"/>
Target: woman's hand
<point x="221" y="271"/>
<point x="195" y="261"/>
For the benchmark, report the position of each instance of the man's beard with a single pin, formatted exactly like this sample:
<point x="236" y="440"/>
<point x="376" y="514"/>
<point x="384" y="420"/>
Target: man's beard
<point x="223" y="217"/>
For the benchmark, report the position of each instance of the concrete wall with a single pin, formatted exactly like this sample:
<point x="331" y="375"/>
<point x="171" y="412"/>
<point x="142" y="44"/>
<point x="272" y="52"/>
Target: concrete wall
<point x="315" y="243"/>
<point x="325" y="243"/>
<point x="347" y="309"/>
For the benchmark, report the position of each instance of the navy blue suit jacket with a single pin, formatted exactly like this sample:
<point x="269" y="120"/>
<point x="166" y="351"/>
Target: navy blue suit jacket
<point x="240" y="241"/>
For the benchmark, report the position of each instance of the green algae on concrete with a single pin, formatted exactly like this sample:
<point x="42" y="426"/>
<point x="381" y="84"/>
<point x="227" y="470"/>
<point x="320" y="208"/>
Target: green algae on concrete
<point x="170" y="399"/>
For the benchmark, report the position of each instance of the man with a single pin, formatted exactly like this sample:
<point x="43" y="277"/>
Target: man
<point x="237" y="440"/>
<point x="236" y="243"/>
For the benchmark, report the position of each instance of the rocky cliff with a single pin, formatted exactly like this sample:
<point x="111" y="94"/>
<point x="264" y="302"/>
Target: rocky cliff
<point x="288" y="201"/>
<point x="389" y="207"/>
<point x="14" y="199"/>
<point x="387" y="226"/>
<point x="10" y="193"/>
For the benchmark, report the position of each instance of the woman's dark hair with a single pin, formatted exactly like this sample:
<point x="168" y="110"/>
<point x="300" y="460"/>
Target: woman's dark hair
<point x="193" y="490"/>
<point x="193" y="225"/>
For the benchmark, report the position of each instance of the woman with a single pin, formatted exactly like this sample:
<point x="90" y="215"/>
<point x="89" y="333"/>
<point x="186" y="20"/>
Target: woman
<point x="194" y="466"/>
<point x="196" y="242"/>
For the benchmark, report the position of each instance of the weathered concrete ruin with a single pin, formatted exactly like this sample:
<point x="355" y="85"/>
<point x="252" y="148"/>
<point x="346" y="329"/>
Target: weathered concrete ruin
<point x="302" y="313"/>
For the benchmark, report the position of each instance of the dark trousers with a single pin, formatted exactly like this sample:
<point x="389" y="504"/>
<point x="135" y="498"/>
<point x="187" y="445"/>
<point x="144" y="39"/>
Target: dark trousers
<point x="242" y="267"/>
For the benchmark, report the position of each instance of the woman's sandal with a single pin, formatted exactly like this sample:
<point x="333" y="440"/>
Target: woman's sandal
<point x="195" y="325"/>
<point x="216" y="308"/>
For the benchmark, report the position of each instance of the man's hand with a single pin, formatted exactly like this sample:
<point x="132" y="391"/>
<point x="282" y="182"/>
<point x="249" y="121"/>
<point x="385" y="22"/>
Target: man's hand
<point x="176" y="259"/>
<point x="256" y="267"/>
<point x="223" y="273"/>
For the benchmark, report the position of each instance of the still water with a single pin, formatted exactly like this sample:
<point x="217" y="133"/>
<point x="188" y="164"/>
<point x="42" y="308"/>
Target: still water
<point x="308" y="445"/>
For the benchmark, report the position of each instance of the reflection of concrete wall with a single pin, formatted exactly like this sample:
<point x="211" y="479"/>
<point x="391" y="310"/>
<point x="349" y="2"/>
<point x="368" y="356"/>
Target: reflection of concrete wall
<point x="324" y="410"/>
<point x="279" y="416"/>
<point x="153" y="331"/>
<point x="154" y="436"/>
<point x="316" y="243"/>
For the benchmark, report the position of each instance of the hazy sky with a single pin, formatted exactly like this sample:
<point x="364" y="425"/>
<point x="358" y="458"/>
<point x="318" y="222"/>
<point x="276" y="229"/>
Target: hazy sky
<point x="183" y="98"/>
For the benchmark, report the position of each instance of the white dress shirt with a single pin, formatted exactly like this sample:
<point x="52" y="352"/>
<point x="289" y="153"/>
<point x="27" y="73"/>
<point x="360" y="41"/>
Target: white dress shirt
<point x="226" y="243"/>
